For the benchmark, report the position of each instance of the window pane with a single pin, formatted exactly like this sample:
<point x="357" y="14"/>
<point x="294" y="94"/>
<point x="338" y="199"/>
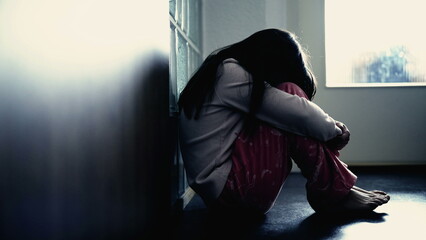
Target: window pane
<point x="372" y="43"/>
<point x="172" y="7"/>
<point x="194" y="20"/>
<point x="182" y="67"/>
<point x="173" y="97"/>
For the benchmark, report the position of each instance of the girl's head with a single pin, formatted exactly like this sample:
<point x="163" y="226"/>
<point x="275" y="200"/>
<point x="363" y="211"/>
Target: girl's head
<point x="271" y="55"/>
<point x="274" y="56"/>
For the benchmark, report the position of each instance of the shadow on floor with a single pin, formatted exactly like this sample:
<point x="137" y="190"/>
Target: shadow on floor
<point x="404" y="217"/>
<point x="313" y="227"/>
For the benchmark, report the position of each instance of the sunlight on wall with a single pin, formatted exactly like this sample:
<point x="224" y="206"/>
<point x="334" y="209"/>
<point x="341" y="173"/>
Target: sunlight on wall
<point x="375" y="42"/>
<point x="52" y="38"/>
<point x="71" y="63"/>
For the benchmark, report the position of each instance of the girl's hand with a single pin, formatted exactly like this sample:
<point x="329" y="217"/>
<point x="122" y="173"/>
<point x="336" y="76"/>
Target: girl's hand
<point x="340" y="141"/>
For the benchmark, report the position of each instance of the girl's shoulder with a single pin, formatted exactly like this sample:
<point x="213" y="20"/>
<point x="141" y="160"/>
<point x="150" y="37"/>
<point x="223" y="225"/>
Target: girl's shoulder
<point x="230" y="60"/>
<point x="232" y="70"/>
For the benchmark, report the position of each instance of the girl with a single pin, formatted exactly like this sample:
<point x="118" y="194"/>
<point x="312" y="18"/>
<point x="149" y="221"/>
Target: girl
<point x="246" y="113"/>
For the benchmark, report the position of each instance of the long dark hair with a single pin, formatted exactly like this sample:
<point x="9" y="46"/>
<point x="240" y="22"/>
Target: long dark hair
<point x="271" y="55"/>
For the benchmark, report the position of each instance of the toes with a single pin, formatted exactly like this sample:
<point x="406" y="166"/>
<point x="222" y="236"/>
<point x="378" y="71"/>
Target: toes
<point x="377" y="201"/>
<point x="387" y="198"/>
<point x="379" y="192"/>
<point x="363" y="200"/>
<point x="383" y="199"/>
<point x="369" y="192"/>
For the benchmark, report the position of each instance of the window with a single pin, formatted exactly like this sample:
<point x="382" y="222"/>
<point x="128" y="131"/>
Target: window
<point x="185" y="34"/>
<point x="185" y="58"/>
<point x="375" y="43"/>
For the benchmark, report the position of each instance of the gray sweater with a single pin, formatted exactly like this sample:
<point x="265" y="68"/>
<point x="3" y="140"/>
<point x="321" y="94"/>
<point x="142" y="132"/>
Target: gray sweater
<point x="206" y="143"/>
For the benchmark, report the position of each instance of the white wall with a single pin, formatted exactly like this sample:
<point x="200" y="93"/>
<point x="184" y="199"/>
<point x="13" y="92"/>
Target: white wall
<point x="226" y="22"/>
<point x="386" y="123"/>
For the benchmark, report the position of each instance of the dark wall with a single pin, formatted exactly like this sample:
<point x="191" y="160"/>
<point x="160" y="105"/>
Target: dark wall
<point x="85" y="150"/>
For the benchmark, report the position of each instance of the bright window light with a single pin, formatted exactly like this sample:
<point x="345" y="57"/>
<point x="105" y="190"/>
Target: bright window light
<point x="375" y="43"/>
<point x="68" y="37"/>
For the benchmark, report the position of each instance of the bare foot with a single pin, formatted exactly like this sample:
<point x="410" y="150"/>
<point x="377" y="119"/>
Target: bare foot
<point x="359" y="199"/>
<point x="365" y="191"/>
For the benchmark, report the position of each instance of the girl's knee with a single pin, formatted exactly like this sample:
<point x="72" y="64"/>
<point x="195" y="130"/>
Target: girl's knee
<point x="292" y="88"/>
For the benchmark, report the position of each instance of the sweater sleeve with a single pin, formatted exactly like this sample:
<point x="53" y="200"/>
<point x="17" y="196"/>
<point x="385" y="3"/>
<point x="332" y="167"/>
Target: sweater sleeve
<point x="280" y="109"/>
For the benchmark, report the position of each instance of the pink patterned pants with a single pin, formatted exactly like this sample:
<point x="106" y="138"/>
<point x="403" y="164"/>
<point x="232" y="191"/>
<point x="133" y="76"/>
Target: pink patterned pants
<point x="262" y="163"/>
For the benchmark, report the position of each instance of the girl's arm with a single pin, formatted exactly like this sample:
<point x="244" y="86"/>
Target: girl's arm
<point x="280" y="109"/>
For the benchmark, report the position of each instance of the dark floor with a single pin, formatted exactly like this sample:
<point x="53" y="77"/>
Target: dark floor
<point x="404" y="217"/>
